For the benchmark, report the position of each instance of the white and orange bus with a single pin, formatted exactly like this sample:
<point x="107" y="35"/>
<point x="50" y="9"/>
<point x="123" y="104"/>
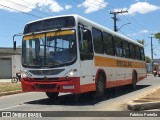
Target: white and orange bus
<point x="73" y="54"/>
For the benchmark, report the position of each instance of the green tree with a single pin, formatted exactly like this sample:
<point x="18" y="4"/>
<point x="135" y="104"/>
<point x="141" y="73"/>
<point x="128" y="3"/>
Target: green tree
<point x="148" y="59"/>
<point x="141" y="41"/>
<point x="157" y="35"/>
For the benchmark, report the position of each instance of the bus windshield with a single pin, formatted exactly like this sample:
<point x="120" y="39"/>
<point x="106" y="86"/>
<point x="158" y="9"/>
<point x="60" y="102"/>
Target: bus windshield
<point x="51" y="49"/>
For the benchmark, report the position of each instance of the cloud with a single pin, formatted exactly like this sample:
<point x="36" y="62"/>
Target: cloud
<point x="139" y="7"/>
<point x="11" y="4"/>
<point x="143" y="31"/>
<point x="93" y="5"/>
<point x="132" y="34"/>
<point x="18" y="5"/>
<point x="67" y="7"/>
<point x="142" y="8"/>
<point x="140" y="32"/>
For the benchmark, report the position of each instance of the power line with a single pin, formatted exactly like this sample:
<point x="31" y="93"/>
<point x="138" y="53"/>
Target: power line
<point x="20" y="11"/>
<point x="135" y="28"/>
<point x="104" y="10"/>
<point x="94" y="5"/>
<point x="125" y="34"/>
<point x="132" y="25"/>
<point x="115" y="18"/>
<point x="30" y="8"/>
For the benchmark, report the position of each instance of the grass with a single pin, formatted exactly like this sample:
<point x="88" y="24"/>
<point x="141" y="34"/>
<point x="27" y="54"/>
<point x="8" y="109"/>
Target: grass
<point x="8" y="86"/>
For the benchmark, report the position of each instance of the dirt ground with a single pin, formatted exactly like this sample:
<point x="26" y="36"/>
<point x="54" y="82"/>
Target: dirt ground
<point x="152" y="97"/>
<point x="8" y="86"/>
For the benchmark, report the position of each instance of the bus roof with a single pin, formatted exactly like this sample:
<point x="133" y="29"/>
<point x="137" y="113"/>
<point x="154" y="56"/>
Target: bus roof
<point x="78" y="17"/>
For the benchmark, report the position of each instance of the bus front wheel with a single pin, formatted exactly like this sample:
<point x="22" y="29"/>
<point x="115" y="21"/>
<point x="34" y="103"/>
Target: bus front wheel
<point x="52" y="95"/>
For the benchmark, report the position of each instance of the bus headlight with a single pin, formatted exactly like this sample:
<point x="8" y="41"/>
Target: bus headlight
<point x="71" y="73"/>
<point x="26" y="74"/>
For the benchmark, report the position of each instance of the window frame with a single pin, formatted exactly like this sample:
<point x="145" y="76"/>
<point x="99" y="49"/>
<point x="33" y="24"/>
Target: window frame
<point x="85" y="55"/>
<point x="106" y="47"/>
<point x="125" y="42"/>
<point x="119" y="52"/>
<point x="102" y="43"/>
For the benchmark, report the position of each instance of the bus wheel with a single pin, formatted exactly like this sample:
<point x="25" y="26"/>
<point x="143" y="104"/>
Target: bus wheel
<point x="134" y="81"/>
<point x="52" y="95"/>
<point x="100" y="87"/>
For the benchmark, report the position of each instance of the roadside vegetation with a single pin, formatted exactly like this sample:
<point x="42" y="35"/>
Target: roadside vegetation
<point x="6" y="87"/>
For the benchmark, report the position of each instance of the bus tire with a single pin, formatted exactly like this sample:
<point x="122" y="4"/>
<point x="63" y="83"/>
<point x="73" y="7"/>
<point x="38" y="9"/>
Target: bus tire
<point x="100" y="87"/>
<point x="52" y="95"/>
<point x="134" y="80"/>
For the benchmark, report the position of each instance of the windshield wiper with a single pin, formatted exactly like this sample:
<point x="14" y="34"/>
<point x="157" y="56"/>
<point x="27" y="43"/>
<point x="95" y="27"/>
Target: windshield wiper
<point x="56" y="32"/>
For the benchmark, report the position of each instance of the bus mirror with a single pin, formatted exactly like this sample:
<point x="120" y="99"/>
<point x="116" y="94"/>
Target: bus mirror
<point x="14" y="45"/>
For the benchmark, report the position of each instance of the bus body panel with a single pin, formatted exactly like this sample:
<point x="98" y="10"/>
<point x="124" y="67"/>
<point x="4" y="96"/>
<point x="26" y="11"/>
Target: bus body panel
<point x="118" y="70"/>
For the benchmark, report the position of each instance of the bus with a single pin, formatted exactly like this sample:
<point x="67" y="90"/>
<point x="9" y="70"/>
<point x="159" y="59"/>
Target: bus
<point x="70" y="53"/>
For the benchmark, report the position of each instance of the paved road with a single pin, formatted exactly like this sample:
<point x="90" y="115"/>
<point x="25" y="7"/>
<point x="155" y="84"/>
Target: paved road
<point x="69" y="102"/>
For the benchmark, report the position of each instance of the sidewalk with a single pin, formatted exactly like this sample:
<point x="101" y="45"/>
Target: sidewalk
<point x="9" y="88"/>
<point x="147" y="102"/>
<point x="5" y="80"/>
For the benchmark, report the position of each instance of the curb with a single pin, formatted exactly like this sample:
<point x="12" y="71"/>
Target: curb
<point x="10" y="93"/>
<point x="143" y="106"/>
<point x="138" y="106"/>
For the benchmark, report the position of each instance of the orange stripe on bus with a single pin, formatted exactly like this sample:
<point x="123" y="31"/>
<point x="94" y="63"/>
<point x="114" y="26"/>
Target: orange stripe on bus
<point x="109" y="84"/>
<point x="88" y="87"/>
<point x="141" y="78"/>
<point x="42" y="35"/>
<point x="111" y="62"/>
<point x="92" y="86"/>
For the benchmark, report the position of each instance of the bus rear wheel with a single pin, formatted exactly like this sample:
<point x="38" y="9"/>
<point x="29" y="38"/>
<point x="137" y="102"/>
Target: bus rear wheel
<point x="134" y="81"/>
<point x="100" y="87"/>
<point x="52" y="95"/>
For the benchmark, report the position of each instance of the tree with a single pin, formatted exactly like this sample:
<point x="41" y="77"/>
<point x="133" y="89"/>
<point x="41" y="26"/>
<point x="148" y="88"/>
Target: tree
<point x="141" y="41"/>
<point x="157" y="35"/>
<point x="148" y="59"/>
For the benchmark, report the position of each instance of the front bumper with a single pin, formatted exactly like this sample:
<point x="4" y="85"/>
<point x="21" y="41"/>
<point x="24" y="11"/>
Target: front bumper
<point x="52" y="85"/>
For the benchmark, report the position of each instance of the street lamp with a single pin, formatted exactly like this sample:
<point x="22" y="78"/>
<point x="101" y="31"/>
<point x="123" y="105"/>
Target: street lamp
<point x="14" y="42"/>
<point x="123" y="26"/>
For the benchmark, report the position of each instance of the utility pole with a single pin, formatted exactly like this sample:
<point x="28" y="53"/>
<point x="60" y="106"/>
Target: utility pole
<point x="151" y="51"/>
<point x="115" y="18"/>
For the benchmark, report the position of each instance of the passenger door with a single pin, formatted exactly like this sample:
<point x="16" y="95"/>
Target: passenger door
<point x="86" y="55"/>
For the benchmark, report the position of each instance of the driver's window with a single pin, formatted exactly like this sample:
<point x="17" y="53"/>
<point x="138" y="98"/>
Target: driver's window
<point x="85" y="44"/>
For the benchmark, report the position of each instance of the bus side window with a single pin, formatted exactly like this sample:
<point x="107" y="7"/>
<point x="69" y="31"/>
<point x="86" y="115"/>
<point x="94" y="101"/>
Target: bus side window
<point x="98" y="41"/>
<point x="118" y="46"/>
<point x="132" y="51"/>
<point x="138" y="54"/>
<point x="85" y="44"/>
<point x="108" y="44"/>
<point x="142" y="54"/>
<point x="125" y="49"/>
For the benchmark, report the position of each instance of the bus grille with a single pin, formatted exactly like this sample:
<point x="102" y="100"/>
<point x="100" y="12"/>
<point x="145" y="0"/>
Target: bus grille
<point x="46" y="86"/>
<point x="46" y="72"/>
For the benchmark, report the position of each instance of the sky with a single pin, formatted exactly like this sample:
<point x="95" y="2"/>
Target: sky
<point x="141" y="21"/>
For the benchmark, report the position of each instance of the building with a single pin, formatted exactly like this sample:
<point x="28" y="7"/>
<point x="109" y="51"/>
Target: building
<point x="156" y="63"/>
<point x="10" y="62"/>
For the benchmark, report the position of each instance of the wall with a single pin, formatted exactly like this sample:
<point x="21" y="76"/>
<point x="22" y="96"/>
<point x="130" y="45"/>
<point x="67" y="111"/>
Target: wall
<point x="16" y="64"/>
